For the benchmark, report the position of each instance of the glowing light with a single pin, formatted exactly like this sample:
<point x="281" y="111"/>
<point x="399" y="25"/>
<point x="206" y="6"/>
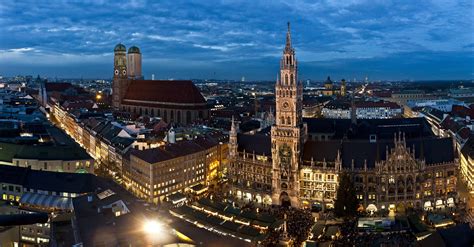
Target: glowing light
<point x="153" y="227"/>
<point x="98" y="96"/>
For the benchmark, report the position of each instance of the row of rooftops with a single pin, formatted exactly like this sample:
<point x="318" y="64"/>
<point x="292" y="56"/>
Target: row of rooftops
<point x="178" y="149"/>
<point x="383" y="128"/>
<point x="103" y="211"/>
<point x="34" y="139"/>
<point x="345" y="105"/>
<point x="357" y="152"/>
<point x="10" y="151"/>
<point x="48" y="181"/>
<point x="366" y="142"/>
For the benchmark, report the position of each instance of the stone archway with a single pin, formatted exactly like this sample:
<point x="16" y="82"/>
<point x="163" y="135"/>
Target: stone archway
<point x="285" y="199"/>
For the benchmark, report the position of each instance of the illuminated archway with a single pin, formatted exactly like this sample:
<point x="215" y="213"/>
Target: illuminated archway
<point x="258" y="198"/>
<point x="285" y="199"/>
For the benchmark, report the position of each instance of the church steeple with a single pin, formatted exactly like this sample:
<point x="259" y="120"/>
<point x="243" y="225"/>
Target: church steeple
<point x="288" y="38"/>
<point x="289" y="131"/>
<point x="289" y="93"/>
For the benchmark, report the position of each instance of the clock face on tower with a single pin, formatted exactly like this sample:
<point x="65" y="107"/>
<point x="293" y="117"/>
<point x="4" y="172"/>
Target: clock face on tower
<point x="286" y="105"/>
<point x="116" y="72"/>
<point x="124" y="72"/>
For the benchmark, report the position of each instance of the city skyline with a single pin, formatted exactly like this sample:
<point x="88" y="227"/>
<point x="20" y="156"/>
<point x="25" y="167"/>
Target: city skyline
<point x="344" y="39"/>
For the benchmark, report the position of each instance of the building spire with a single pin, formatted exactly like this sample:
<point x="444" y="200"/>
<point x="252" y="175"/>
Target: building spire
<point x="232" y="126"/>
<point x="288" y="37"/>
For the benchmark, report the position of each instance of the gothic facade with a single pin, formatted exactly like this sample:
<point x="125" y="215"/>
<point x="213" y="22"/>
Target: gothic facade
<point x="394" y="163"/>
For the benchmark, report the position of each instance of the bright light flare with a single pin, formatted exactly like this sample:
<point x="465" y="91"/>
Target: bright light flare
<point x="153" y="227"/>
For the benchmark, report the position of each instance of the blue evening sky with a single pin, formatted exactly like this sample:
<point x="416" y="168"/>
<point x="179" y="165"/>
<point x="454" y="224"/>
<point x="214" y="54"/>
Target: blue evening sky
<point x="383" y="39"/>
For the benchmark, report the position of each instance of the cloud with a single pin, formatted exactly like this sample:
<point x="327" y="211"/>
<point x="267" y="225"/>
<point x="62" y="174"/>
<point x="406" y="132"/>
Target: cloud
<point x="227" y="34"/>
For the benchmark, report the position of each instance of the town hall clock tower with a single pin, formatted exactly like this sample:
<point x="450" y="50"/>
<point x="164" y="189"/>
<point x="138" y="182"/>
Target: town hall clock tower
<point x="289" y="131"/>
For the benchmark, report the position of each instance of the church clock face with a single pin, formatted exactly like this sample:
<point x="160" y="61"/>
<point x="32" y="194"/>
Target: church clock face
<point x="124" y="72"/>
<point x="286" y="105"/>
<point x="116" y="72"/>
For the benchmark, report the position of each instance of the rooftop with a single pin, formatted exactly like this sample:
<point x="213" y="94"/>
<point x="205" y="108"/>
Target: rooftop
<point x="164" y="91"/>
<point x="49" y="181"/>
<point x="174" y="150"/>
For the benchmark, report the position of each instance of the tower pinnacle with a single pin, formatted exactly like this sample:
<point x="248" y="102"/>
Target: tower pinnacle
<point x="288" y="37"/>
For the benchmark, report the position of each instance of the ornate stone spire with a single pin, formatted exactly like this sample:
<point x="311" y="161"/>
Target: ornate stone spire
<point x="288" y="38"/>
<point x="233" y="128"/>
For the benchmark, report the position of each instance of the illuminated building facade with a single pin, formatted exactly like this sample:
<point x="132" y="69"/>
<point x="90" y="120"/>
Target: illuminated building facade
<point x="153" y="174"/>
<point x="394" y="163"/>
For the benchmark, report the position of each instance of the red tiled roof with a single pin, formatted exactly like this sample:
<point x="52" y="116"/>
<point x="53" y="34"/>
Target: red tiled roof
<point x="463" y="111"/>
<point x="183" y="92"/>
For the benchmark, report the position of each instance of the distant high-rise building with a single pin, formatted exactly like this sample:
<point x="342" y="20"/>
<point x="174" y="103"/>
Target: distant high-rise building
<point x="243" y="78"/>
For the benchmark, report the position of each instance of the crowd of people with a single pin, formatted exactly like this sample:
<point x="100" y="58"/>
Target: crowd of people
<point x="376" y="239"/>
<point x="298" y="224"/>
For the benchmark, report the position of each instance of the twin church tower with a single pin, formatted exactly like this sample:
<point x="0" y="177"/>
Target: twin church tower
<point x="126" y="66"/>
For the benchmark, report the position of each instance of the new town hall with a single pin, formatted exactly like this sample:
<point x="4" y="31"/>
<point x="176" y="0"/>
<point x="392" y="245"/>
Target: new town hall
<point x="394" y="163"/>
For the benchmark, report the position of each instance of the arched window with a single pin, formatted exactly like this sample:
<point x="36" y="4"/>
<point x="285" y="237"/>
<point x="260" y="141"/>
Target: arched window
<point x="172" y="116"/>
<point x="286" y="79"/>
<point x="165" y="115"/>
<point x="146" y="111"/>
<point x="152" y="112"/>
<point x="292" y="78"/>
<point x="140" y="110"/>
<point x="159" y="113"/>
<point x="282" y="120"/>
<point x="178" y="113"/>
<point x="288" y="120"/>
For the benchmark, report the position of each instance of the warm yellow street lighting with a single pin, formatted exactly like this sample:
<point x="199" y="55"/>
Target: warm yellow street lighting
<point x="153" y="227"/>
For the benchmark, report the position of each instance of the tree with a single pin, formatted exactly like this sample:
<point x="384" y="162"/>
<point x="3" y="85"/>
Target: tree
<point x="346" y="200"/>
